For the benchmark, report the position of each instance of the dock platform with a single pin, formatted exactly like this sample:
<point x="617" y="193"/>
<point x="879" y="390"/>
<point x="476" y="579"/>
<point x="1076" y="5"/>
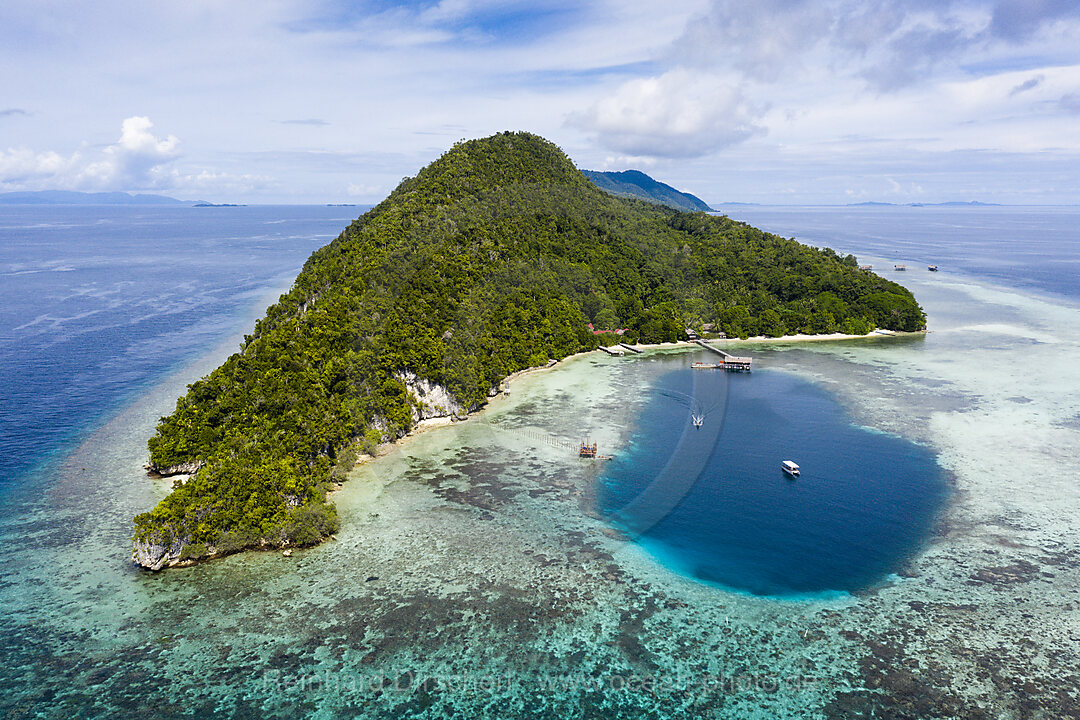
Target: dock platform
<point x="729" y="362"/>
<point x="615" y="351"/>
<point x="631" y="348"/>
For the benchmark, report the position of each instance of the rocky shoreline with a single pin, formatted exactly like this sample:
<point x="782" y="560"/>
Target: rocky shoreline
<point x="433" y="402"/>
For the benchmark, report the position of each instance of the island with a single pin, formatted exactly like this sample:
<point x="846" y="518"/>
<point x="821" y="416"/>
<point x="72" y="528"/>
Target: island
<point x="72" y="197"/>
<point x="497" y="257"/>
<point x="634" y="183"/>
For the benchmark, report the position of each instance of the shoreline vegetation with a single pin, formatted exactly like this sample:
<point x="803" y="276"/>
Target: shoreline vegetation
<point x="431" y="424"/>
<point x="495" y="259"/>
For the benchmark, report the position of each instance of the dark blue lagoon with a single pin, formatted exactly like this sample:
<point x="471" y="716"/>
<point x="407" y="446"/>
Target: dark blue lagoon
<point x="714" y="503"/>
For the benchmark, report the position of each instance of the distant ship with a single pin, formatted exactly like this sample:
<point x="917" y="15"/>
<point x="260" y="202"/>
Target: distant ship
<point x="790" y="468"/>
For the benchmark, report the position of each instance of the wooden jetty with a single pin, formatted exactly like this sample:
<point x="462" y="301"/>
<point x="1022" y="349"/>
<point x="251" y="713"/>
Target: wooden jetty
<point x="615" y="351"/>
<point x="729" y="362"/>
<point x="631" y="348"/>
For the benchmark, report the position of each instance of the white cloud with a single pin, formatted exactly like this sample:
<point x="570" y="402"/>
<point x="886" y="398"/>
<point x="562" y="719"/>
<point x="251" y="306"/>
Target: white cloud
<point x="677" y="114"/>
<point x="137" y="161"/>
<point x="22" y="168"/>
<point x="290" y="101"/>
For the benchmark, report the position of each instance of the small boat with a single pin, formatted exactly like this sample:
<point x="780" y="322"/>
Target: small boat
<point x="698" y="420"/>
<point x="900" y="268"/>
<point x="932" y="268"/>
<point x="707" y="366"/>
<point x="790" y="468"/>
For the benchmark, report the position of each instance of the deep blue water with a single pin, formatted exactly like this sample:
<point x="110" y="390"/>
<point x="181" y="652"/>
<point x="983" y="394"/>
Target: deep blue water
<point x="98" y="302"/>
<point x="864" y="501"/>
<point x="1032" y="248"/>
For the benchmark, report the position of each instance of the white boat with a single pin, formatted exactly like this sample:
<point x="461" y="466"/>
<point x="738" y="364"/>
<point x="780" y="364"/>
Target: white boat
<point x="790" y="468"/>
<point x="698" y="420"/>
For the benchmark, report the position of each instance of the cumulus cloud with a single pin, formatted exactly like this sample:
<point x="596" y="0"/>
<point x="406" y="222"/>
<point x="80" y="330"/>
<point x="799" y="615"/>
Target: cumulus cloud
<point x="812" y="56"/>
<point x="23" y="169"/>
<point x="137" y="161"/>
<point x="12" y="112"/>
<point x="678" y="114"/>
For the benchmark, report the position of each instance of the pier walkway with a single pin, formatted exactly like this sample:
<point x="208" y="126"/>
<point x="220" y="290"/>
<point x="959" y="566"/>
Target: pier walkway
<point x="730" y="362"/>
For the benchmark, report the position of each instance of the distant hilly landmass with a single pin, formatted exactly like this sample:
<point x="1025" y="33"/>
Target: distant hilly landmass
<point x="71" y="197"/>
<point x="634" y="183"/>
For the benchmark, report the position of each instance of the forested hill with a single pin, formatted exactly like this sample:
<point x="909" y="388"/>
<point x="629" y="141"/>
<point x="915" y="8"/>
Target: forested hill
<point x="634" y="183"/>
<point x="492" y="259"/>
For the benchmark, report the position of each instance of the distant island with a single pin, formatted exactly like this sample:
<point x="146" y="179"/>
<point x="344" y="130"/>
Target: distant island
<point x="953" y="203"/>
<point x="634" y="183"/>
<point x="70" y="197"/>
<point x="498" y="256"/>
<point x="216" y="205"/>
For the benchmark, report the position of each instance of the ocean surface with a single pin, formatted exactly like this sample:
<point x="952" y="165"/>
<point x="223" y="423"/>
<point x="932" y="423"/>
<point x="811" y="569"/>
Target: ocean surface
<point x="1030" y="248"/>
<point x="99" y="301"/>
<point x="926" y="564"/>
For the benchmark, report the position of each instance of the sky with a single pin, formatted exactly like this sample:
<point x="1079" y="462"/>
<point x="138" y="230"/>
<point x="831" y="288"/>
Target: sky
<point x="324" y="101"/>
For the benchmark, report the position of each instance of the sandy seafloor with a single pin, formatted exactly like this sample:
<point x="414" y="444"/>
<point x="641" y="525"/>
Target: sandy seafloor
<point x="471" y="579"/>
